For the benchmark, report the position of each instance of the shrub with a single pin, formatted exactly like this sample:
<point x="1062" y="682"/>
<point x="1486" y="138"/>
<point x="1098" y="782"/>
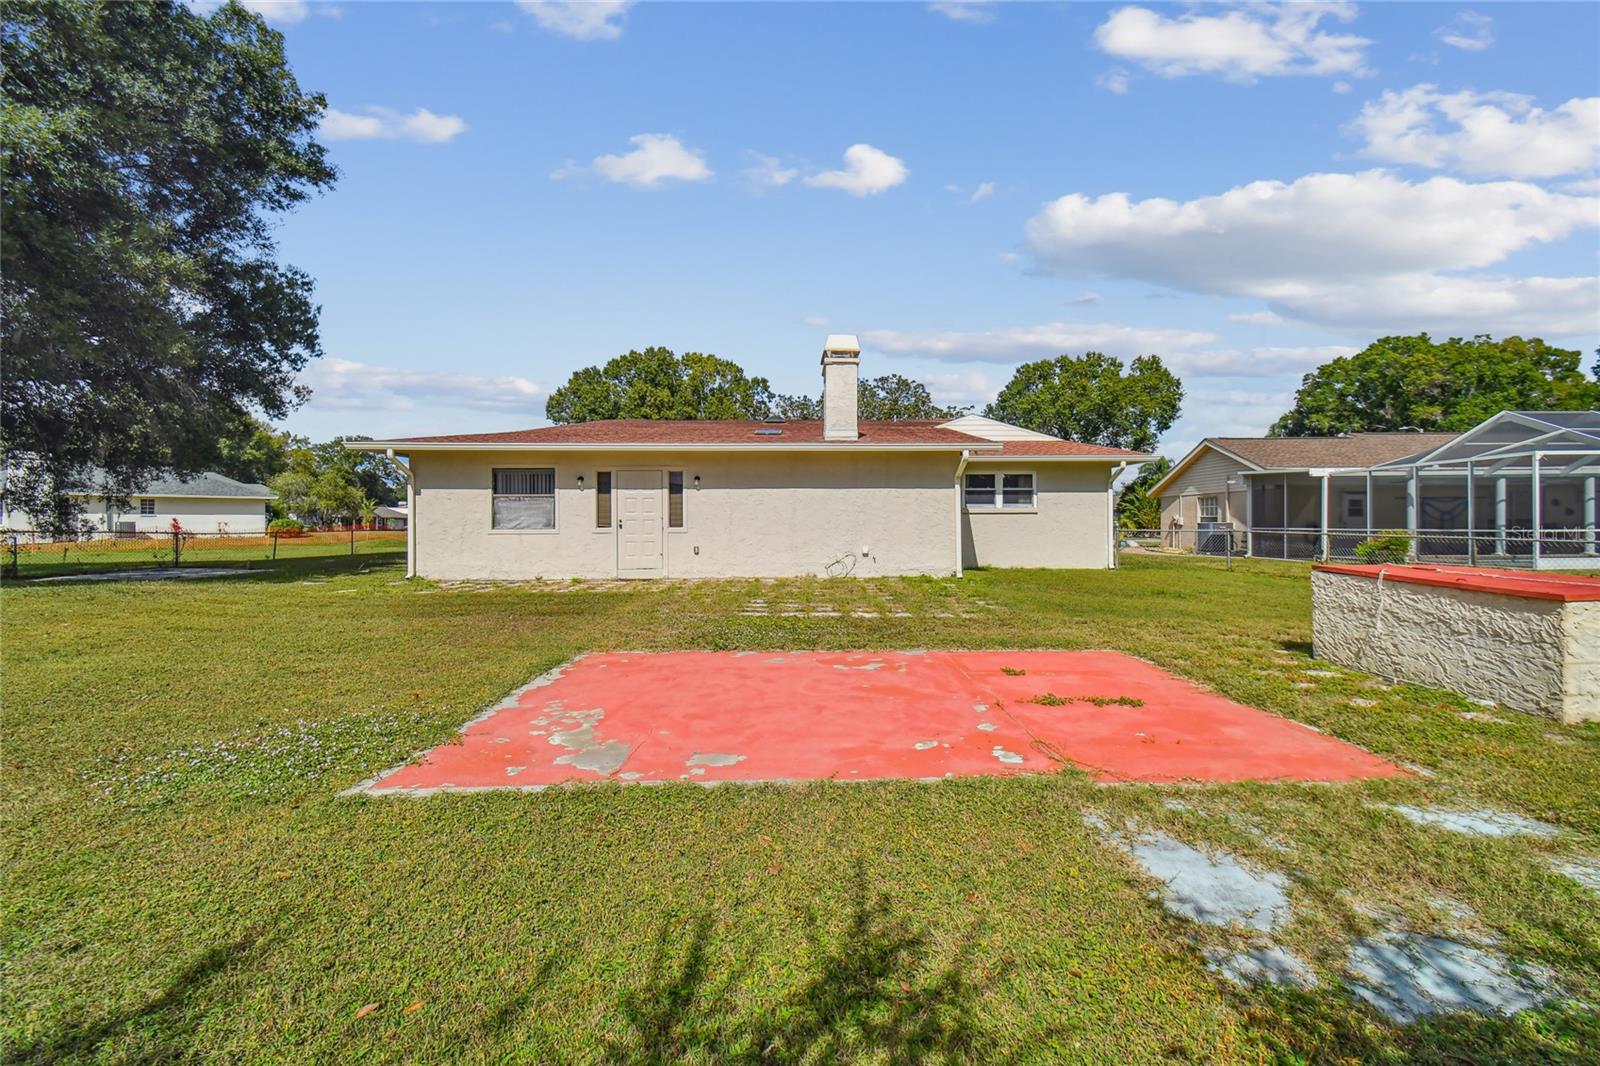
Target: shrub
<point x="1389" y="547"/>
<point x="286" y="527"/>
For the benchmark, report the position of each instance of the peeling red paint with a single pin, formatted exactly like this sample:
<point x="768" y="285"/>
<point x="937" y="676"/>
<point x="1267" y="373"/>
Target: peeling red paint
<point x="784" y="716"/>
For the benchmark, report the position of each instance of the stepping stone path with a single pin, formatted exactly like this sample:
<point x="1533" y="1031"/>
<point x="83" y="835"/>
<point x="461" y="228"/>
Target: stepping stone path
<point x="1484" y="823"/>
<point x="1407" y="976"/>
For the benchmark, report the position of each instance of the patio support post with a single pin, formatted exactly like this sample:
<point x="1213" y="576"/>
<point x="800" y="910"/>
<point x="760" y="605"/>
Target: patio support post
<point x="1413" y="492"/>
<point x="1326" y="544"/>
<point x="1472" y="514"/>
<point x="1250" y="513"/>
<point x="1367" y="508"/>
<point x="1285" y="537"/>
<point x="1589" y="516"/>
<point x="1501" y="506"/>
<point x="1538" y="507"/>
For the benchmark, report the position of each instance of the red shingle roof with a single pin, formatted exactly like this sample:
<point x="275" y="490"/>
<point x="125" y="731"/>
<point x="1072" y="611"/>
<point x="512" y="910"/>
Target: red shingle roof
<point x="1046" y="448"/>
<point x="635" y="432"/>
<point x="732" y="431"/>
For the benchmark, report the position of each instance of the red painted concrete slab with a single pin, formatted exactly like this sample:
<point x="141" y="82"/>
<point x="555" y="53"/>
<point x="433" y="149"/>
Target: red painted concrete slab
<point x="786" y="716"/>
<point x="1568" y="588"/>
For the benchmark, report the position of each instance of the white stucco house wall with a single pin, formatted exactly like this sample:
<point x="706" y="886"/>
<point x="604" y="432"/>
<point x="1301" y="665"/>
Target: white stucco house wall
<point x="837" y="496"/>
<point x="204" y="503"/>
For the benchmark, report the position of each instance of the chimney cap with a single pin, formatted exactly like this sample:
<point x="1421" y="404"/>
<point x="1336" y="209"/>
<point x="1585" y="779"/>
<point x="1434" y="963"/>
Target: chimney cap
<point x="844" y="343"/>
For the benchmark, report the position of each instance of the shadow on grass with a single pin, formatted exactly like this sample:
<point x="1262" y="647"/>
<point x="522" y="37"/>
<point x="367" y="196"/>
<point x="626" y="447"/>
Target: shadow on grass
<point x="870" y="993"/>
<point x="157" y="1028"/>
<point x="286" y="569"/>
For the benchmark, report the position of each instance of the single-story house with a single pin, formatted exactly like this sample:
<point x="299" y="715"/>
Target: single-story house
<point x="837" y="496"/>
<point x="204" y="503"/>
<point x="1467" y="497"/>
<point x="390" y="516"/>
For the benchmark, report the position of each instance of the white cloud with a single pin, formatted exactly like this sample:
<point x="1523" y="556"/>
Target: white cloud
<point x="1116" y="80"/>
<point x="815" y="320"/>
<point x="1484" y="134"/>
<point x="982" y="192"/>
<point x="1085" y="299"/>
<point x="967" y="388"/>
<point x="1016" y="343"/>
<point x="387" y="124"/>
<point x="1468" y="30"/>
<point x="867" y="172"/>
<point x="1269" y="361"/>
<point x="1240" y="44"/>
<point x="766" y="172"/>
<point x="1451" y="305"/>
<point x="1266" y="237"/>
<point x="1257" y="318"/>
<point x="582" y="20"/>
<point x="656" y="157"/>
<point x="964" y="10"/>
<point x="344" y="384"/>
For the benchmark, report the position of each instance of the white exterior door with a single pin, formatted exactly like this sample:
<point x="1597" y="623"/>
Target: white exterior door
<point x="639" y="537"/>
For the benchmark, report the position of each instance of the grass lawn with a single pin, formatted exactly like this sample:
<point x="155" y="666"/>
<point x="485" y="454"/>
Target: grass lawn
<point x="183" y="880"/>
<point x="102" y="553"/>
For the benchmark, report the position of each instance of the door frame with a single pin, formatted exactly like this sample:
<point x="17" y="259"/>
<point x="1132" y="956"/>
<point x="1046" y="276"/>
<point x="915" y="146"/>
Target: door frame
<point x="661" y="515"/>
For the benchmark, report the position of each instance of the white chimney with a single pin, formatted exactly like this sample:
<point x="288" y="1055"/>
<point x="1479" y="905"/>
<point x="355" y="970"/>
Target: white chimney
<point x="841" y="357"/>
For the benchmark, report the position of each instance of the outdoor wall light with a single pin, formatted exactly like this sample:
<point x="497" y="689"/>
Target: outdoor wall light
<point x="697" y="481"/>
<point x="580" y="482"/>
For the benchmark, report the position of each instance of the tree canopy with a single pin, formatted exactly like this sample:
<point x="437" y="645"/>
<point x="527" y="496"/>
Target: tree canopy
<point x="1136" y="508"/>
<point x="1416" y="383"/>
<point x="889" y="397"/>
<point x="1092" y="398"/>
<point x="656" y="383"/>
<point x="145" y="149"/>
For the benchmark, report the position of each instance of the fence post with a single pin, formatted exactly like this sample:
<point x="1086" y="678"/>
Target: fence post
<point x="352" y="539"/>
<point x="177" y="548"/>
<point x="1230" y="547"/>
<point x="13" y="558"/>
<point x="274" y="545"/>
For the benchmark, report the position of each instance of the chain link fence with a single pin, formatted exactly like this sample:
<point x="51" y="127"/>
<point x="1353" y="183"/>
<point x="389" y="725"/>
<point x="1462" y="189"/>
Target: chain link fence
<point x="1512" y="548"/>
<point x="31" y="554"/>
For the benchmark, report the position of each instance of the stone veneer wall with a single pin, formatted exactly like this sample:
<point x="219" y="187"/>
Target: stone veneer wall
<point x="1535" y="655"/>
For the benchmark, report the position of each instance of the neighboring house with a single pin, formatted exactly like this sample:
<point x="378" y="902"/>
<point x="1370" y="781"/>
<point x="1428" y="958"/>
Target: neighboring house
<point x="390" y="516"/>
<point x="640" y="498"/>
<point x="204" y="503"/>
<point x="1209" y="487"/>
<point x="1320" y="497"/>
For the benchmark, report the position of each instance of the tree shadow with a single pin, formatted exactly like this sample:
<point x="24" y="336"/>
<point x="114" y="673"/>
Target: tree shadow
<point x="166" y="1013"/>
<point x="1296" y="647"/>
<point x="872" y="991"/>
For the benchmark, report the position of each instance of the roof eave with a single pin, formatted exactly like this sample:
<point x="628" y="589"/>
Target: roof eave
<point x="406" y="447"/>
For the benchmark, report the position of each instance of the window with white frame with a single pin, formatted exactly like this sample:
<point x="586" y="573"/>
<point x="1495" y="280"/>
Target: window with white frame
<point x="525" y="499"/>
<point x="1210" y="510"/>
<point x="147" y="507"/>
<point x="1355" y="507"/>
<point x="1002" y="492"/>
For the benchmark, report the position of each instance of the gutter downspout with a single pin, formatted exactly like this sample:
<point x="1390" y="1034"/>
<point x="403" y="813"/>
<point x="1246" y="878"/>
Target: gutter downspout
<point x="411" y="511"/>
<point x="961" y="467"/>
<point x="1111" y="514"/>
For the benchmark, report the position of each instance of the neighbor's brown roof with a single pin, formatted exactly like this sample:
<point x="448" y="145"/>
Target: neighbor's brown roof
<point x="1355" y="450"/>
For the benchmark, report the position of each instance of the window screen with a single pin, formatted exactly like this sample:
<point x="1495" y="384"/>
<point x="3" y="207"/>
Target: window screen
<point x="675" y="499"/>
<point x="525" y="499"/>
<point x="980" y="490"/>
<point x="602" y="500"/>
<point x="147" y="507"/>
<point x="1016" y="490"/>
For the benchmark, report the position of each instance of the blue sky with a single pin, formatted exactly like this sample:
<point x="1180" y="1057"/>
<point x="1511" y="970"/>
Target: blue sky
<point x="1247" y="191"/>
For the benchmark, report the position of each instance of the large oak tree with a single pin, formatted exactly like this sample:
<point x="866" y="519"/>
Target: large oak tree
<point x="146" y="148"/>
<point x="1093" y="398"/>
<point x="1416" y="383"/>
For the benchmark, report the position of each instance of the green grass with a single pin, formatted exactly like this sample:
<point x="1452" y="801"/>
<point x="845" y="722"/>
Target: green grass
<point x="182" y="879"/>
